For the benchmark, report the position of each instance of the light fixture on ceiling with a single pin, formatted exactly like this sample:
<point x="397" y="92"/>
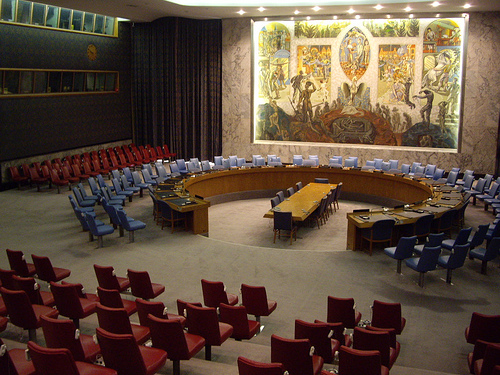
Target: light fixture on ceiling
<point x="378" y="7"/>
<point x="308" y="18"/>
<point x="241" y="12"/>
<point x="436" y="4"/>
<point x="388" y="16"/>
<point x="316" y="8"/>
<point x="261" y="9"/>
<point x="335" y="17"/>
<point x="357" y="16"/>
<point x="408" y="9"/>
<point x="351" y="11"/>
<point x="296" y="12"/>
<point x="411" y="16"/>
<point x="467" y="6"/>
<point x="438" y="15"/>
<point x="265" y="19"/>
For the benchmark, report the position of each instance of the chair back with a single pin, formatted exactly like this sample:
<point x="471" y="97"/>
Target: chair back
<point x="106" y="277"/>
<point x="423" y="225"/>
<point x="144" y="308"/>
<point x="48" y="361"/>
<point x="168" y="334"/>
<point x="293" y="354"/>
<point x="91" y="224"/>
<point x="280" y="195"/>
<point x="341" y="310"/>
<point x="318" y="335"/>
<point x="458" y="255"/>
<point x="479" y="236"/>
<point x="44" y="268"/>
<point x="382" y="229"/>
<point x="481" y="184"/>
<point x="254" y="298"/>
<point x="30" y="286"/>
<point x="110" y="298"/>
<point x="491" y="359"/>
<point x="297" y="160"/>
<point x="298" y="185"/>
<point x="364" y="339"/>
<point x="236" y="316"/>
<point x="356" y="362"/>
<point x="18" y="263"/>
<point x="204" y="322"/>
<point x="140" y="284"/>
<point x="387" y="315"/>
<point x="468" y="181"/>
<point x="123" y="220"/>
<point x="491" y="252"/>
<point x="249" y="367"/>
<point x="62" y="333"/>
<point x="445" y="222"/>
<point x="19" y="308"/>
<point x="463" y="236"/>
<point x="67" y="299"/>
<point x="113" y="320"/>
<point x="275" y="201"/>
<point x="483" y="327"/>
<point x="405" y="246"/>
<point x="290" y="191"/>
<point x="213" y="293"/>
<point x="121" y="353"/>
<point x="283" y="220"/>
<point x="6" y="279"/>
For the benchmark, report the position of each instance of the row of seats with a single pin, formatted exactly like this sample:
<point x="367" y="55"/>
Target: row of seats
<point x="484" y="333"/>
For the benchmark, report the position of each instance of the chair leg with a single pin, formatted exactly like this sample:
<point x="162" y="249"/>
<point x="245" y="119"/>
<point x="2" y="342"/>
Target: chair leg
<point x="399" y="266"/>
<point x="121" y="231"/>
<point x="76" y="321"/>
<point x="32" y="334"/>
<point x="421" y="280"/>
<point x="484" y="267"/>
<point x="448" y="276"/>
<point x="274" y="236"/>
<point x="131" y="236"/>
<point x="208" y="352"/>
<point x="91" y="237"/>
<point x="99" y="241"/>
<point x="176" y="366"/>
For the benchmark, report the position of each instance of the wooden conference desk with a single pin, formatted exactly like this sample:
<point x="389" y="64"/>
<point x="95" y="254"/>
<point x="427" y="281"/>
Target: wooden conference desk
<point x="303" y="202"/>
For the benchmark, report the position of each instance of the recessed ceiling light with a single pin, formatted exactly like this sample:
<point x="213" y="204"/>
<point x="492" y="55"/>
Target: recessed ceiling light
<point x="378" y="7"/>
<point x="351" y="11"/>
<point x="241" y="12"/>
<point x="388" y="16"/>
<point x="261" y="9"/>
<point x="296" y="12"/>
<point x="436" y="4"/>
<point x="411" y="16"/>
<point x="316" y="8"/>
<point x="467" y="6"/>
<point x="265" y="19"/>
<point x="407" y="9"/>
<point x="308" y="18"/>
<point x="335" y="17"/>
<point x="292" y="18"/>
<point x="358" y="16"/>
<point x="438" y="15"/>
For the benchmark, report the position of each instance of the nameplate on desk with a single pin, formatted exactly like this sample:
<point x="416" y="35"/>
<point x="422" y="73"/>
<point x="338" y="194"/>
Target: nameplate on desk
<point x="182" y="202"/>
<point x="166" y="194"/>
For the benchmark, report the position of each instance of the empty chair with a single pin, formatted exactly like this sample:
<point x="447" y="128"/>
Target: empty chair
<point x="6" y="279"/>
<point x="116" y="320"/>
<point x="461" y="239"/>
<point x="141" y="285"/>
<point x="453" y="261"/>
<point x="351" y="160"/>
<point x="32" y="289"/>
<point x="309" y="163"/>
<point x="148" y="179"/>
<point x="119" y="191"/>
<point x="214" y="293"/>
<point x="236" y="316"/>
<point x="283" y="222"/>
<point x="295" y="356"/>
<point x="364" y="339"/>
<point x="171" y="216"/>
<point x="107" y="279"/>
<point x="155" y="308"/>
<point x="486" y="254"/>
<point x="17" y="177"/>
<point x="22" y="313"/>
<point x="275" y="201"/>
<point x="477" y="189"/>
<point x="180" y="345"/>
<point x="434" y="239"/>
<point x="379" y="232"/>
<point x="280" y="195"/>
<point x="438" y="174"/>
<point x="254" y="298"/>
<point x="479" y="236"/>
<point x="425" y="263"/>
<point x="112" y="298"/>
<point x="488" y="364"/>
<point x="46" y="272"/>
<point x="70" y="304"/>
<point x="356" y="362"/>
<point x="320" y="336"/>
<point x="17" y="262"/>
<point x="163" y="175"/>
<point x="403" y="250"/>
<point x="342" y="310"/>
<point x="290" y="191"/>
<point x="422" y="226"/>
<point x="483" y="327"/>
<point x="249" y="367"/>
<point x="203" y="321"/>
<point x="36" y="179"/>
<point x="138" y="181"/>
<point x="60" y="361"/>
<point x="388" y="315"/>
<point x="445" y="222"/>
<point x="298" y="186"/>
<point x="56" y="180"/>
<point x="130" y="225"/>
<point x="122" y="353"/>
<point x="82" y="202"/>
<point x="321" y="180"/>
<point x="97" y="230"/>
<point x="14" y="361"/>
<point x="297" y="160"/>
<point x="62" y="333"/>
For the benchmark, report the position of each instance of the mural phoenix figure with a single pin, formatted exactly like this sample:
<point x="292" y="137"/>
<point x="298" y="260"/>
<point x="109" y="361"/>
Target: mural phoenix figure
<point x="350" y="93"/>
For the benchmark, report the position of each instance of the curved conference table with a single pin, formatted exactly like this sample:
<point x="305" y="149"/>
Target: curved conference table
<point x="375" y="187"/>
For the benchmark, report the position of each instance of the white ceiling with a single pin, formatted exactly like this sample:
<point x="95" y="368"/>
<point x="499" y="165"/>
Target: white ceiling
<point x="149" y="10"/>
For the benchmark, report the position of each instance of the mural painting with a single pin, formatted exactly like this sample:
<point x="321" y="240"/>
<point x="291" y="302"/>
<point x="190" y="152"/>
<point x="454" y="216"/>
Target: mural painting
<point x="359" y="90"/>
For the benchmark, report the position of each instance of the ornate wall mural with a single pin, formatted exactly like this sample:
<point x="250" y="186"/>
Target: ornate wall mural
<point x="372" y="82"/>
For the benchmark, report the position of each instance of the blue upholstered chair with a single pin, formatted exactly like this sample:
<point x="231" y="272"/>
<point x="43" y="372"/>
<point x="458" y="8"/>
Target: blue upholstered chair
<point x="192" y="168"/>
<point x="414" y="166"/>
<point x="430" y="169"/>
<point x="354" y="161"/>
<point x="205" y="165"/>
<point x="96" y="190"/>
<point x="486" y="254"/>
<point x="181" y="163"/>
<point x="379" y="232"/>
<point x="84" y="194"/>
<point x="148" y="167"/>
<point x="403" y="250"/>
<point x="98" y="230"/>
<point x="119" y="190"/>
<point x="138" y="181"/>
<point x="433" y="240"/>
<point x="147" y="178"/>
<point x="315" y="158"/>
<point x="283" y="222"/>
<point x="478" y="189"/>
<point x="297" y="160"/>
<point x="129" y="225"/>
<point x="127" y="187"/>
<point x="350" y="163"/>
<point x="101" y="183"/>
<point x="82" y="202"/>
<point x="425" y="263"/>
<point x="493" y="231"/>
<point x="233" y="159"/>
<point x="455" y="260"/>
<point x="275" y="201"/>
<point x="467" y="173"/>
<point x="218" y="160"/>
<point x="479" y="236"/>
<point x="438" y="174"/>
<point x="378" y="163"/>
<point x="280" y="195"/>
<point x="405" y="168"/>
<point x="467" y="183"/>
<point x="174" y="170"/>
<point x="490" y="197"/>
<point x="462" y="238"/>
<point x="254" y="159"/>
<point x="260" y="161"/>
<point x="128" y="175"/>
<point x="163" y="175"/>
<point x="394" y="164"/>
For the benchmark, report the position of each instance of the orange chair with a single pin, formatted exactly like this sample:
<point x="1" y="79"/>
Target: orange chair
<point x="214" y="294"/>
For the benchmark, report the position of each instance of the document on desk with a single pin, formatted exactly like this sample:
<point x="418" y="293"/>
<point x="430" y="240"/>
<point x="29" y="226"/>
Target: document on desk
<point x="166" y="194"/>
<point x="182" y="202"/>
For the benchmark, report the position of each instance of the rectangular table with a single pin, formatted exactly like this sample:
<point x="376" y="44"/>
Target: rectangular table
<point x="303" y="202"/>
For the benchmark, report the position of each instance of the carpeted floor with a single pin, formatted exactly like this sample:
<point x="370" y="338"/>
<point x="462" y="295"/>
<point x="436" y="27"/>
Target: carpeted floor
<point x="239" y="250"/>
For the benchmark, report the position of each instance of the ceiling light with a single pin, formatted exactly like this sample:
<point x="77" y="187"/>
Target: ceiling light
<point x="292" y="18"/>
<point x="265" y="19"/>
<point x="335" y="17"/>
<point x="308" y="18"/>
<point x="411" y="15"/>
<point x="261" y="9"/>
<point x="438" y="15"/>
<point x="316" y="8"/>
<point x="296" y="12"/>
<point x="351" y="11"/>
<point x="467" y="6"/>
<point x="358" y="16"/>
<point x="241" y="12"/>
<point x="407" y="9"/>
<point x="378" y="7"/>
<point x="388" y="16"/>
<point x="436" y="4"/>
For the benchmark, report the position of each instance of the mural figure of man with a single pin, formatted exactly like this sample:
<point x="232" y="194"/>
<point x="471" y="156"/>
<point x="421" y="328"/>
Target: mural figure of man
<point x="425" y="112"/>
<point x="305" y="99"/>
<point x="296" y="82"/>
<point x="408" y="84"/>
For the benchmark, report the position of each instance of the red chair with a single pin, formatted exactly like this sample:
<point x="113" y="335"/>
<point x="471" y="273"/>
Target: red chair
<point x="46" y="272"/>
<point x="155" y="308"/>
<point x="122" y="353"/>
<point x="35" y="178"/>
<point x="141" y="285"/>
<point x="32" y="289"/>
<point x="62" y="333"/>
<point x="116" y="320"/>
<point x="388" y="315"/>
<point x="339" y="334"/>
<point x="203" y="321"/>
<point x="484" y="327"/>
<point x="87" y="169"/>
<point x="23" y="313"/>
<point x="342" y="310"/>
<point x="57" y="181"/>
<point x="236" y="316"/>
<point x="254" y="298"/>
<point x="168" y="153"/>
<point x="123" y="161"/>
<point x="48" y="361"/>
<point x="375" y="340"/>
<point x="70" y="304"/>
<point x="320" y="336"/>
<point x="295" y="356"/>
<point x="107" y="279"/>
<point x="3" y="308"/>
<point x="18" y="263"/>
<point x="66" y="174"/>
<point x="7" y="280"/>
<point x="478" y="353"/>
<point x="112" y="298"/>
<point x="214" y="293"/>
<point x="248" y="367"/>
<point x="182" y="309"/>
<point x="96" y="164"/>
<point x="356" y="362"/>
<point x="3" y="322"/>
<point x="168" y="334"/>
<point x="77" y="172"/>
<point x="487" y="364"/>
<point x="16" y="176"/>
<point x="392" y="334"/>
<point x="14" y="362"/>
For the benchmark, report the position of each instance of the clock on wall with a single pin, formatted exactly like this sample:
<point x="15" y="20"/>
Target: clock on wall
<point x="92" y="52"/>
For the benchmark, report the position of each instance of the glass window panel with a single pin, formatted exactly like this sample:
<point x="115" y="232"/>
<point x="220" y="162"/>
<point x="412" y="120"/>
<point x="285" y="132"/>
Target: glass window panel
<point x="77" y="20"/>
<point x="52" y="16"/>
<point x="99" y="24"/>
<point x="90" y="81"/>
<point x="8" y="10"/>
<point x="38" y="14"/>
<point x="110" y="81"/>
<point x="27" y="82"/>
<point x="11" y="82"/>
<point x="88" y="24"/>
<point x="54" y="82"/>
<point x="41" y="82"/>
<point x="99" y="85"/>
<point x="67" y="82"/>
<point x="24" y="12"/>
<point x="65" y="18"/>
<point x="110" y="23"/>
<point x="79" y="82"/>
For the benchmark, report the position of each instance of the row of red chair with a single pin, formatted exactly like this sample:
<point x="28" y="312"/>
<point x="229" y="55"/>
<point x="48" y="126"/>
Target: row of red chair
<point x="484" y="332"/>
